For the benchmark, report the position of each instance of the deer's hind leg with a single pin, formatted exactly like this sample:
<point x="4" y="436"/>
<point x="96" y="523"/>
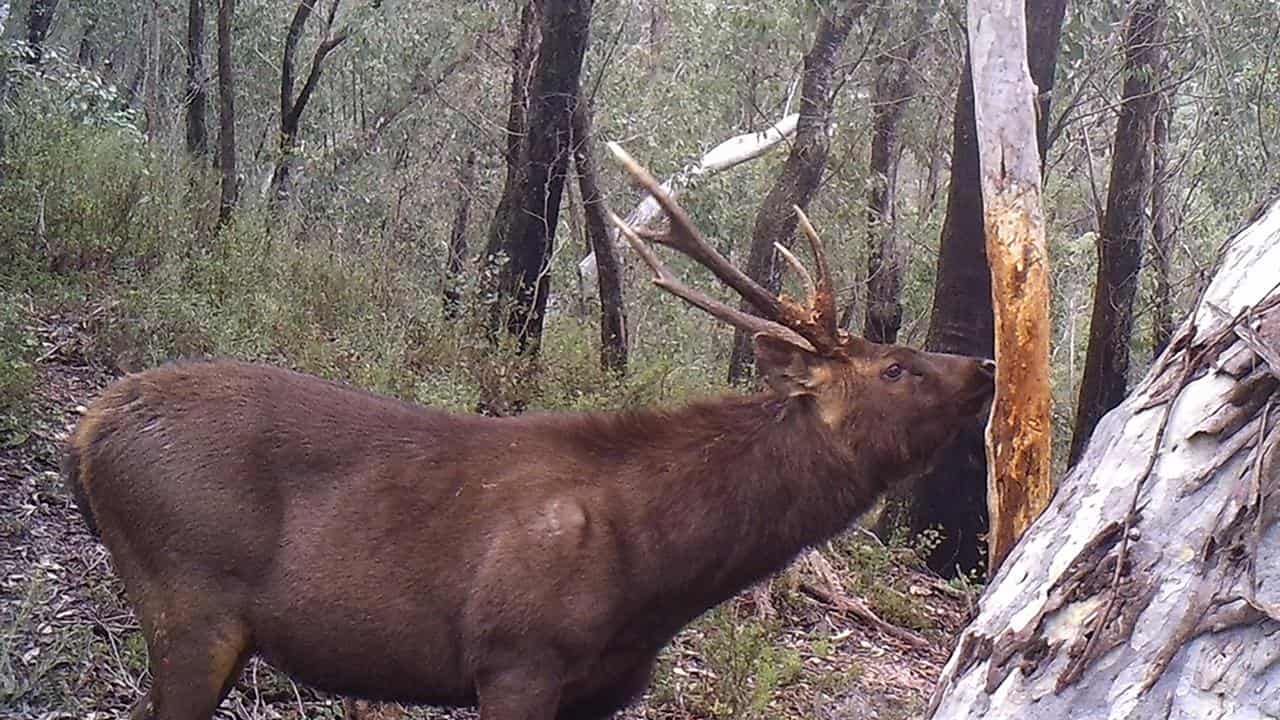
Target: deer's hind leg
<point x="196" y="650"/>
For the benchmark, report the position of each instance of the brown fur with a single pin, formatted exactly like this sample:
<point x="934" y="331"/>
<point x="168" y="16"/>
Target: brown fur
<point x="535" y="565"/>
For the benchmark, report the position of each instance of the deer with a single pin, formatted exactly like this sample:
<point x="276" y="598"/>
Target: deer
<point x="532" y="565"/>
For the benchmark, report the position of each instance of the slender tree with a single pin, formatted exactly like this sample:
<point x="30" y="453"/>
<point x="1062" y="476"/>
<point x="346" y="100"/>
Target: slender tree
<point x="613" y="316"/>
<point x="226" y="113"/>
<point x="197" y="78"/>
<point x="524" y="224"/>
<point x="1163" y="225"/>
<point x="798" y="181"/>
<point x="1124" y="225"/>
<point x="39" y="22"/>
<point x="953" y="496"/>
<point x="894" y="86"/>
<point x="291" y="108"/>
<point x="457" y="260"/>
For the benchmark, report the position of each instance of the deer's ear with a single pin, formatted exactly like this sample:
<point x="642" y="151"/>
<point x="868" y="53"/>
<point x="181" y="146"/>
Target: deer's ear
<point x="788" y="368"/>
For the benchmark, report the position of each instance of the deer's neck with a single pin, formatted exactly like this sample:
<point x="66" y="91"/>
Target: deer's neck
<point x="732" y="490"/>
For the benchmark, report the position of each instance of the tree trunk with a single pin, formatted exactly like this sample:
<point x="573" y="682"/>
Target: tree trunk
<point x="455" y="271"/>
<point x="798" y="181"/>
<point x="39" y="21"/>
<point x="291" y="108"/>
<point x="525" y="222"/>
<point x="1124" y="226"/>
<point x="1163" y="226"/>
<point x="953" y="496"/>
<point x="613" y="316"/>
<point x="87" y="49"/>
<point x="894" y="86"/>
<point x="197" y="76"/>
<point x="1149" y="587"/>
<point x="226" y="114"/>
<point x="1019" y="436"/>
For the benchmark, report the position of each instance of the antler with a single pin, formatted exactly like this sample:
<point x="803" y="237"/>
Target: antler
<point x="812" y="327"/>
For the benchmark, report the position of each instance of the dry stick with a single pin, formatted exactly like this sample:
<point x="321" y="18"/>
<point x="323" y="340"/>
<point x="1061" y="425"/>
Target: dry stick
<point x="1077" y="664"/>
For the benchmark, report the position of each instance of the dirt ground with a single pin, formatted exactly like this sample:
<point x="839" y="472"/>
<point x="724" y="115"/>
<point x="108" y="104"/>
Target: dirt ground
<point x="70" y="647"/>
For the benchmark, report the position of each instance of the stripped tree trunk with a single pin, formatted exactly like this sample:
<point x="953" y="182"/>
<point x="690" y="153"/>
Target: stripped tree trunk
<point x="1150" y="587"/>
<point x="953" y="495"/>
<point x="1019" y="435"/>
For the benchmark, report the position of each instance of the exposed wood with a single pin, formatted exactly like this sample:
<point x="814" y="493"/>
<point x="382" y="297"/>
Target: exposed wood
<point x="1124" y="226"/>
<point x="962" y="320"/>
<point x="1020" y="432"/>
<point x="1149" y="587"/>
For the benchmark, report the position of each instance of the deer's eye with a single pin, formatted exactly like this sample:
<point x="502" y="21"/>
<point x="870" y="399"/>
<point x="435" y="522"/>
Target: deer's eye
<point x="893" y="372"/>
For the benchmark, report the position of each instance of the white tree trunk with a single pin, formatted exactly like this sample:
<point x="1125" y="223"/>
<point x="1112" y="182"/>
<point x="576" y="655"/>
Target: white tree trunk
<point x="1179" y="489"/>
<point x="732" y="152"/>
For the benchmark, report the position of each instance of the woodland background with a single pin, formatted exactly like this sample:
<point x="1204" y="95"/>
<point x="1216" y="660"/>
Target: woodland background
<point x="345" y="216"/>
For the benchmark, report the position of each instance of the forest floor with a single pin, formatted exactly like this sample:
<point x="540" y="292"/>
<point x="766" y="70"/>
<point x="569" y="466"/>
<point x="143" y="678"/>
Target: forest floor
<point x="70" y="646"/>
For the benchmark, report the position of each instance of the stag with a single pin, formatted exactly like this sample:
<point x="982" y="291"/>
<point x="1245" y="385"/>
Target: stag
<point x="533" y="565"/>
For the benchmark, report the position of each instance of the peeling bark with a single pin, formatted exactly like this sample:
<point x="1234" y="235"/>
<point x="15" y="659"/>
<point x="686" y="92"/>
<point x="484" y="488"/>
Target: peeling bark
<point x="1019" y="434"/>
<point x="1148" y="588"/>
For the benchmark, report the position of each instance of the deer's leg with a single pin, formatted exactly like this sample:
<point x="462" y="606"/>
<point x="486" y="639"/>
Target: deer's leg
<point x="195" y="656"/>
<point x="627" y="683"/>
<point x="530" y="691"/>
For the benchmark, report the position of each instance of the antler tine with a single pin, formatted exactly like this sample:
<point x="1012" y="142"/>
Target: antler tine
<point x="664" y="279"/>
<point x="824" y="300"/>
<point x="686" y="238"/>
<point x="810" y="289"/>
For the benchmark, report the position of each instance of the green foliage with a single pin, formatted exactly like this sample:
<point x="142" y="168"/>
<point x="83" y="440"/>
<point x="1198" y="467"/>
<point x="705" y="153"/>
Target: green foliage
<point x="17" y="352"/>
<point x="749" y="663"/>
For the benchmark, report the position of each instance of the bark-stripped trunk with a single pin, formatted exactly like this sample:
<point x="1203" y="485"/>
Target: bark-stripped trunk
<point x="798" y="181"/>
<point x="1020" y="432"/>
<point x="953" y="496"/>
<point x="613" y="317"/>
<point x="525" y="222"/>
<point x="1150" y="587"/>
<point x="1124" y="226"/>
<point x="894" y="86"/>
<point x="226" y="114"/>
<point x="455" y="271"/>
<point x="291" y="108"/>
<point x="197" y="133"/>
<point x="1163" y="226"/>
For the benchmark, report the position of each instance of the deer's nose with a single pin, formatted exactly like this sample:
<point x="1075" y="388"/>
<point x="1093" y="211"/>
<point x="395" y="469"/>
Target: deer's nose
<point x="988" y="367"/>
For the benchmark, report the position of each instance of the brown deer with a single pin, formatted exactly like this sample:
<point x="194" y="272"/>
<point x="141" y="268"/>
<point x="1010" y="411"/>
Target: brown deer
<point x="532" y="565"/>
